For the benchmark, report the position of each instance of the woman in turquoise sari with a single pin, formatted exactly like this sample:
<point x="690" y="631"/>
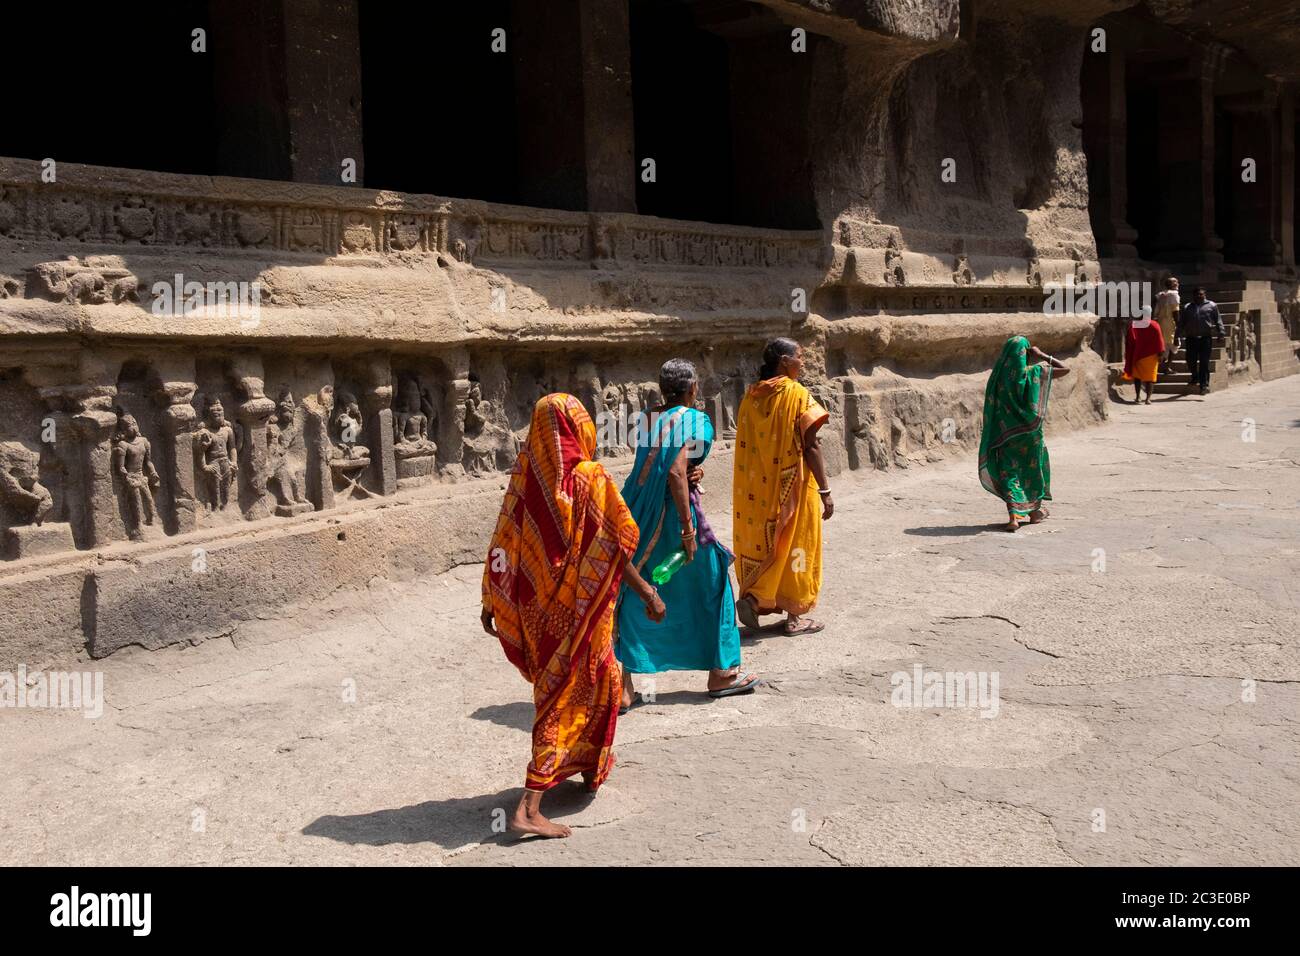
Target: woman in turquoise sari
<point x="699" y="630"/>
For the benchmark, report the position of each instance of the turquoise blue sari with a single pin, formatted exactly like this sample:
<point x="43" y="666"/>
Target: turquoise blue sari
<point x="699" y="631"/>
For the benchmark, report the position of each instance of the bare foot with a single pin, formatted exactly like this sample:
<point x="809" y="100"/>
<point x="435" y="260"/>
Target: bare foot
<point x="1042" y="514"/>
<point x="1012" y="524"/>
<point x="530" y="820"/>
<point x="629" y="693"/>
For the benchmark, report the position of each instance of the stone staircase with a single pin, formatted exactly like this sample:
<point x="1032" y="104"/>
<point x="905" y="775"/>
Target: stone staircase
<point x="1274" y="351"/>
<point x="1265" y="352"/>
<point x="1179" y="378"/>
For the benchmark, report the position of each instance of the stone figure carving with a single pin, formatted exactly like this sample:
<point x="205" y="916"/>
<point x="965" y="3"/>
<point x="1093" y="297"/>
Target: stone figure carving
<point x="416" y="418"/>
<point x="611" y="397"/>
<point x="651" y="397"/>
<point x="894" y="274"/>
<point x="133" y="462"/>
<point x="347" y="428"/>
<point x="27" y="500"/>
<point x="718" y="403"/>
<point x="1034" y="272"/>
<point x="217" y="445"/>
<point x="613" y="428"/>
<point x="961" y="270"/>
<point x="285" y="458"/>
<point x="602" y="241"/>
<point x="465" y="247"/>
<point x="27" y="505"/>
<point x="488" y="445"/>
<point x="475" y="412"/>
<point x="1240" y="345"/>
<point x="73" y="281"/>
<point x="348" y="458"/>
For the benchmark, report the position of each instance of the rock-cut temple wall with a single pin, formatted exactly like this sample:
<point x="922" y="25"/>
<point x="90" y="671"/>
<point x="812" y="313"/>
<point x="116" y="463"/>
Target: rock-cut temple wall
<point x="344" y="402"/>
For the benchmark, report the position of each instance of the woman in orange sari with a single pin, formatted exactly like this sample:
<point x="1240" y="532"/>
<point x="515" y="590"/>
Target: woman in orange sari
<point x="780" y="493"/>
<point x="561" y="547"/>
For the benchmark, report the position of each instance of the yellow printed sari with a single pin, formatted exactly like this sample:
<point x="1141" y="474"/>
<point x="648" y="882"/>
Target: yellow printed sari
<point x="778" y="524"/>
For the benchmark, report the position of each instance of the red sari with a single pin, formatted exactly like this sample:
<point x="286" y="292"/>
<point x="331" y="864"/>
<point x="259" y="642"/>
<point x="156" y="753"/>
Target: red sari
<point x="552" y="576"/>
<point x="1142" y="350"/>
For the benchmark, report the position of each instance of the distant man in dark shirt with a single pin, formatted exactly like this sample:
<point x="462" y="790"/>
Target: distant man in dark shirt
<point x="1198" y="325"/>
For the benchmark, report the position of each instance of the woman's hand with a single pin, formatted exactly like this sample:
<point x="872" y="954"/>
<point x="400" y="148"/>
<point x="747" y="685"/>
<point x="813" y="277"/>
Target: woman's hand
<point x="655" y="608"/>
<point x="488" y="623"/>
<point x="689" y="546"/>
<point x="828" y="507"/>
<point x="695" y="476"/>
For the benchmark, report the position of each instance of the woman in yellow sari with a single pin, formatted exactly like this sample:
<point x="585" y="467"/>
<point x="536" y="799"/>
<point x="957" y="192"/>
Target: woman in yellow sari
<point x="780" y="493"/>
<point x="562" y="545"/>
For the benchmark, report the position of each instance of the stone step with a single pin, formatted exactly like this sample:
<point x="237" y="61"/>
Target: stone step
<point x="1181" y="368"/>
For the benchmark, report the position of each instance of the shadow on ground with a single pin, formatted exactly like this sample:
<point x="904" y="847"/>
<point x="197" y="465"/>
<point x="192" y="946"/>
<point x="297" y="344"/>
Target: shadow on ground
<point x="449" y="824"/>
<point x="675" y="697"/>
<point x="517" y="716"/>
<point x="954" y="531"/>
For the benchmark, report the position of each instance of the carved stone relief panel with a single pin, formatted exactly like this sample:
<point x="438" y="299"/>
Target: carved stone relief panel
<point x="218" y="440"/>
<point x="293" y="383"/>
<point x="143" y="490"/>
<point x="32" y="481"/>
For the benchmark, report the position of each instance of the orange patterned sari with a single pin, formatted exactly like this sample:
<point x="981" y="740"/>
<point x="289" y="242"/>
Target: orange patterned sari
<point x="551" y="579"/>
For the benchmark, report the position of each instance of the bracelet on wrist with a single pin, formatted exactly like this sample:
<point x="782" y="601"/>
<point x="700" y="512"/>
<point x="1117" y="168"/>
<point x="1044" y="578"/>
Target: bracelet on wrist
<point x="823" y="491"/>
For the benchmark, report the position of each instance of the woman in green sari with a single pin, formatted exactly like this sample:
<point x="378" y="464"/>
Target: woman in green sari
<point x="1013" y="461"/>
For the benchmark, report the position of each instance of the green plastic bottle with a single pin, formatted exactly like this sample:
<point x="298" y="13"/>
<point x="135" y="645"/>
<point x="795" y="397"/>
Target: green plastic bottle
<point x="668" y="568"/>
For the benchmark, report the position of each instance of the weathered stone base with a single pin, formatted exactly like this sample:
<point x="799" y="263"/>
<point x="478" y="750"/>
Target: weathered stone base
<point x="30" y="541"/>
<point x="416" y="471"/>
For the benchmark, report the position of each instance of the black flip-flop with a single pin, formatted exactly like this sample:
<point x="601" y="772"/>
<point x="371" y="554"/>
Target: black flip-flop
<point x="741" y="685"/>
<point x="636" y="702"/>
<point x="817" y="627"/>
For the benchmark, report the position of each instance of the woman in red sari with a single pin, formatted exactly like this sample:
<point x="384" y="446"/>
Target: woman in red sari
<point x="1143" y="348"/>
<point x="562" y="545"/>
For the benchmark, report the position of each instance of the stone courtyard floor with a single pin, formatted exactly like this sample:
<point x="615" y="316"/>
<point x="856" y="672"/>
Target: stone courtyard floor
<point x="1148" y="713"/>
